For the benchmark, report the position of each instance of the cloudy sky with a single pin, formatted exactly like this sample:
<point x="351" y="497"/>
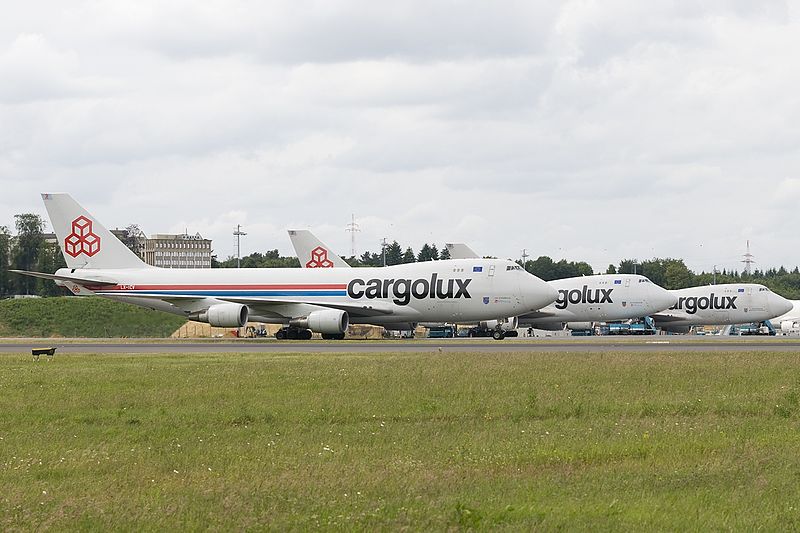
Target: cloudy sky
<point x="581" y="130"/>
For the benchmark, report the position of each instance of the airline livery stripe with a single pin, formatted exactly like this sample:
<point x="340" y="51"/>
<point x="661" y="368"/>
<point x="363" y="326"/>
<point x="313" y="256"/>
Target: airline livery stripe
<point x="230" y="293"/>
<point x="324" y="287"/>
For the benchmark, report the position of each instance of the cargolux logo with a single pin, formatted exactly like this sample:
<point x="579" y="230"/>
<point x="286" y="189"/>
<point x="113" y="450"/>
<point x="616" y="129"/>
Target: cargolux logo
<point x="693" y="303"/>
<point x="401" y="290"/>
<point x="82" y="240"/>
<point x="319" y="258"/>
<point x="585" y="296"/>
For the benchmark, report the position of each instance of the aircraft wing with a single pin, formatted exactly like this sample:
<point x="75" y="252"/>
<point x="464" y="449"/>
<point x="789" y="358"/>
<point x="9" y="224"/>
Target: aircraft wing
<point x="54" y="277"/>
<point x="666" y="318"/>
<point x="271" y="306"/>
<point x="352" y="309"/>
<point x="536" y="314"/>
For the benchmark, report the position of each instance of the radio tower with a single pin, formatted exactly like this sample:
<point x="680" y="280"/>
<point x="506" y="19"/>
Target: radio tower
<point x="748" y="260"/>
<point x="238" y="233"/>
<point x="352" y="227"/>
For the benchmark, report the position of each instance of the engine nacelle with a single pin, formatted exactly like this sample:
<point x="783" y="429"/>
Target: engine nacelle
<point x="506" y="324"/>
<point x="323" y="321"/>
<point x="788" y="326"/>
<point x="579" y="326"/>
<point x="225" y="315"/>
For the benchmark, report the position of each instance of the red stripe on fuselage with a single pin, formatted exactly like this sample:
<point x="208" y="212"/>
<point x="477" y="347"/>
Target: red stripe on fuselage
<point x="133" y="286"/>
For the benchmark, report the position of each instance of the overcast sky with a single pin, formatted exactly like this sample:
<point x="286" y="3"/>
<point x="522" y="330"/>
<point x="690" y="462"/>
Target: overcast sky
<point x="582" y="130"/>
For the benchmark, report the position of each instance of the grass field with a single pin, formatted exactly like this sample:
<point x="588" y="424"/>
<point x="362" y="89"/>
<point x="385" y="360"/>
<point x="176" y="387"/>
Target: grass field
<point x="420" y="441"/>
<point x="82" y="317"/>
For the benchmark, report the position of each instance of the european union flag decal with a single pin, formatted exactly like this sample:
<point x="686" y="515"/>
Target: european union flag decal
<point x="477" y="269"/>
<point x="741" y="290"/>
<point x="617" y="282"/>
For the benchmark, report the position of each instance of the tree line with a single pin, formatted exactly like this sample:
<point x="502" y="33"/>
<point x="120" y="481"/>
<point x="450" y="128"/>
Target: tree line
<point x="28" y="250"/>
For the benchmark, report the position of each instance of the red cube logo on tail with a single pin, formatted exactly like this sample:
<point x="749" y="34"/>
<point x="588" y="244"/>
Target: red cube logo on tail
<point x="319" y="258"/>
<point x="82" y="240"/>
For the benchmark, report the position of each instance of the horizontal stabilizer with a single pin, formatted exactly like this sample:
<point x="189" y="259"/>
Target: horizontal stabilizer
<point x="56" y="277"/>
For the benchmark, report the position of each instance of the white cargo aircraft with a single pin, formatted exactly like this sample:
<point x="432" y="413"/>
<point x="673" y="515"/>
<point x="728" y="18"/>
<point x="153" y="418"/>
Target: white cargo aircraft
<point x="585" y="300"/>
<point x="712" y="305"/>
<point x="323" y="301"/>
<point x="788" y="322"/>
<point x="581" y="301"/>
<point x="696" y="306"/>
<point x="313" y="253"/>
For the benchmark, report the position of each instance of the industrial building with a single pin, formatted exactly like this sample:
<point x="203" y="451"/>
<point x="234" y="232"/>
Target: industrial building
<point x="177" y="251"/>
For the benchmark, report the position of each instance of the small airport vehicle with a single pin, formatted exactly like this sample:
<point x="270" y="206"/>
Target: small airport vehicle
<point x="644" y="326"/>
<point x="441" y="332"/>
<point x="763" y="328"/>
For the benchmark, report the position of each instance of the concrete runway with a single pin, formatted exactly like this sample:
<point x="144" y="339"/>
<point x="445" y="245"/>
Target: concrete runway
<point x="535" y="345"/>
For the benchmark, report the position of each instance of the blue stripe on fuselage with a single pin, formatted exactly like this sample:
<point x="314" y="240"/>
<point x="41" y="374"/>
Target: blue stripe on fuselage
<point x="240" y="293"/>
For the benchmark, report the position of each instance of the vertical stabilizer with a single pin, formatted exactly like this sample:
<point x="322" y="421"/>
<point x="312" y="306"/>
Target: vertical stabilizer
<point x="461" y="251"/>
<point x="84" y="241"/>
<point x="312" y="252"/>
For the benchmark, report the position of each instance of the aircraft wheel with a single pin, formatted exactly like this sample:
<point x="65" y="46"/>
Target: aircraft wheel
<point x="280" y="335"/>
<point x="305" y="335"/>
<point x="498" y="335"/>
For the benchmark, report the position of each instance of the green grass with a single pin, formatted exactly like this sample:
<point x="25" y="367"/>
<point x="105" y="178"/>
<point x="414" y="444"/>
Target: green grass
<point x="625" y="441"/>
<point x="82" y="317"/>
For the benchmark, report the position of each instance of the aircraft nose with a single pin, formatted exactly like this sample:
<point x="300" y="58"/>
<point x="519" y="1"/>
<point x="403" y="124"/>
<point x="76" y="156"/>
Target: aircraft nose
<point x="780" y="305"/>
<point x="537" y="293"/>
<point x="662" y="299"/>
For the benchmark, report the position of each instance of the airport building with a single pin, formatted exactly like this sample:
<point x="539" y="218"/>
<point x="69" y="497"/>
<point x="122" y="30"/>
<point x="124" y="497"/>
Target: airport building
<point x="165" y="250"/>
<point x="177" y="251"/>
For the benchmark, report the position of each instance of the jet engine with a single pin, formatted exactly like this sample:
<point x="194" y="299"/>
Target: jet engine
<point x="323" y="321"/>
<point x="506" y="324"/>
<point x="225" y="315"/>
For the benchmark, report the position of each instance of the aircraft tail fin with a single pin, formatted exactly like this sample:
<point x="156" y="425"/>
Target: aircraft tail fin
<point x="312" y="252"/>
<point x="461" y="251"/>
<point x="84" y="241"/>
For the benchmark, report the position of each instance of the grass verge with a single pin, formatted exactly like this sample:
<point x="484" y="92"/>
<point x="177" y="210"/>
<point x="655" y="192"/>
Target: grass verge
<point x="417" y="441"/>
<point x="82" y="317"/>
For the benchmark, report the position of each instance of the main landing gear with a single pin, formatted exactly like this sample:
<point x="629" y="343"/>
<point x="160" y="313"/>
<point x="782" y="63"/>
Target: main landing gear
<point x="301" y="334"/>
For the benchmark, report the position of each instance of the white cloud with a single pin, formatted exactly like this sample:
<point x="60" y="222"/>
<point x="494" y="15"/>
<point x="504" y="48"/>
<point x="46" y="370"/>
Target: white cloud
<point x="587" y="130"/>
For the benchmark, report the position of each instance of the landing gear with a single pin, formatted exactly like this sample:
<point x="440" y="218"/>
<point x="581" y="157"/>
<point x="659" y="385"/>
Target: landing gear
<point x="333" y="336"/>
<point x="293" y="334"/>
<point x="498" y="335"/>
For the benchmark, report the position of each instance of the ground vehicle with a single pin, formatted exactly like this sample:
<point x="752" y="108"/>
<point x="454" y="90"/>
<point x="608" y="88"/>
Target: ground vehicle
<point x="483" y="331"/>
<point x="755" y="328"/>
<point x="642" y="326"/>
<point x="441" y="332"/>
